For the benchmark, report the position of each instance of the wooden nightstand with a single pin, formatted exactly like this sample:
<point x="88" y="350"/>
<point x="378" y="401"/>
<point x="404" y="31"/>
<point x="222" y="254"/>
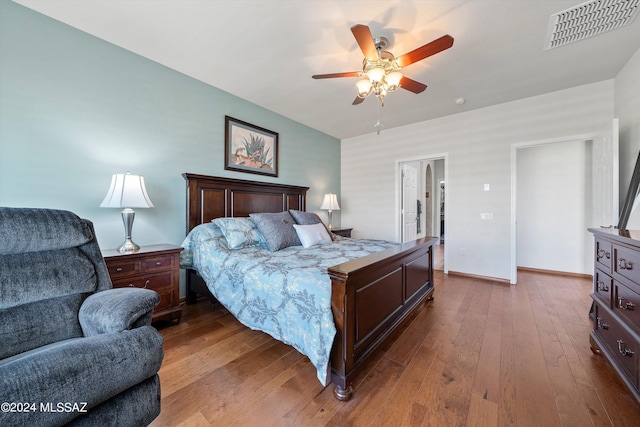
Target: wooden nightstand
<point x="155" y="267"/>
<point x="344" y="232"/>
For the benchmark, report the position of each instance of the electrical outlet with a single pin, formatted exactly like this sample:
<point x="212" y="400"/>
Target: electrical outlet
<point x="486" y="215"/>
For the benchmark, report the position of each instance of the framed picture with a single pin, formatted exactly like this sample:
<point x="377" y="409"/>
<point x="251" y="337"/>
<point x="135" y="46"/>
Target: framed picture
<point x="250" y="148"/>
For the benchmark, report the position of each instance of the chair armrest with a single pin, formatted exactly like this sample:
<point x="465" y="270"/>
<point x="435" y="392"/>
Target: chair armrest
<point x="116" y="310"/>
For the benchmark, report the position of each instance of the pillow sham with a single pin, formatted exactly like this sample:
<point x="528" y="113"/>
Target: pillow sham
<point x="239" y="232"/>
<point x="305" y="218"/>
<point x="312" y="234"/>
<point x="277" y="229"/>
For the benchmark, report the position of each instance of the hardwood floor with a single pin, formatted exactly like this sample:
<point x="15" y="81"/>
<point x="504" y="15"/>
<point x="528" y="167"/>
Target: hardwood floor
<point x="481" y="354"/>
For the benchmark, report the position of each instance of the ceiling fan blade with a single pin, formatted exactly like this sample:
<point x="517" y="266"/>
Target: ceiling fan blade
<point x="412" y="85"/>
<point x="363" y="36"/>
<point x="357" y="101"/>
<point x="334" y="75"/>
<point x="436" y="46"/>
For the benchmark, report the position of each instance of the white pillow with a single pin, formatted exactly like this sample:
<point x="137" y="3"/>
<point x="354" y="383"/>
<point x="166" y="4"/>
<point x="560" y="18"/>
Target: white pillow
<point x="313" y="234"/>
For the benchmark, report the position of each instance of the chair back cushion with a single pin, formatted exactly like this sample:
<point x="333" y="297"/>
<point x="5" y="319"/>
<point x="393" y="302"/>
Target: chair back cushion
<point x="49" y="263"/>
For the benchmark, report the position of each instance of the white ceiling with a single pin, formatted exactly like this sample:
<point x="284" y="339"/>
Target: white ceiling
<point x="265" y="51"/>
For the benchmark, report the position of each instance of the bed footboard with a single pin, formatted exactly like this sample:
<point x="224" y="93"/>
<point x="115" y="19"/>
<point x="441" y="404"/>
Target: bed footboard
<point x="371" y="297"/>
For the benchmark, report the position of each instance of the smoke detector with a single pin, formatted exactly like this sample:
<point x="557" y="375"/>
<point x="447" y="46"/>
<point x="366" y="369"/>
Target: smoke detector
<point x="589" y="19"/>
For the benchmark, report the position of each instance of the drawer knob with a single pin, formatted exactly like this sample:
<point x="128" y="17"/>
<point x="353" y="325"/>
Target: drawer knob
<point x="601" y="324"/>
<point x="158" y="262"/>
<point x="602" y="287"/>
<point x="602" y="254"/>
<point x="622" y="348"/>
<point x="625" y="306"/>
<point x="623" y="264"/>
<point x="119" y="269"/>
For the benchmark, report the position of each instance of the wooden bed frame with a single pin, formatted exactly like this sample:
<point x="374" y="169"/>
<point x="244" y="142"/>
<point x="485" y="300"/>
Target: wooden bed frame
<point x="371" y="296"/>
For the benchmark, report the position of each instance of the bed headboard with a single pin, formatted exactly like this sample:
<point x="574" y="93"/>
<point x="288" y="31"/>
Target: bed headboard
<point x="210" y="197"/>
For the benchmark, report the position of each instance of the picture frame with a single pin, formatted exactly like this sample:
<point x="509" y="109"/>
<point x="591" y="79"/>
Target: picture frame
<point x="249" y="148"/>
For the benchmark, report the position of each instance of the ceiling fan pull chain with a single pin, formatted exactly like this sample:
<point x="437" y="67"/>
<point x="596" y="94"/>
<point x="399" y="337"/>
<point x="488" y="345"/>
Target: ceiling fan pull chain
<point x="379" y="125"/>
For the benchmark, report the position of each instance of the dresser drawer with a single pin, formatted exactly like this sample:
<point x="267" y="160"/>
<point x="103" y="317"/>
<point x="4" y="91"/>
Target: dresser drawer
<point x="627" y="305"/>
<point x="603" y="287"/>
<point x="626" y="263"/>
<point x="603" y="249"/>
<point x="621" y="344"/>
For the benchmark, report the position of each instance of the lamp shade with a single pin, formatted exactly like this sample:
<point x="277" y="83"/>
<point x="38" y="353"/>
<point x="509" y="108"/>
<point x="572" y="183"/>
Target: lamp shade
<point x="127" y="191"/>
<point x="330" y="202"/>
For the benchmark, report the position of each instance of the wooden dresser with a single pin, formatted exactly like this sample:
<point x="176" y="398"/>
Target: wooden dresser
<point x="155" y="267"/>
<point x="616" y="297"/>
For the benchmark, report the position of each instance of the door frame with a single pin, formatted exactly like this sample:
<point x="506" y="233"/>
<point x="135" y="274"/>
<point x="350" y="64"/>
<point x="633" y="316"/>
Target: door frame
<point x="398" y="199"/>
<point x="514" y="152"/>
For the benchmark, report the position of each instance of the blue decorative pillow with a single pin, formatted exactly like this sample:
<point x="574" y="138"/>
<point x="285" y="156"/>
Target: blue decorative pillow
<point x="239" y="232"/>
<point x="277" y="229"/>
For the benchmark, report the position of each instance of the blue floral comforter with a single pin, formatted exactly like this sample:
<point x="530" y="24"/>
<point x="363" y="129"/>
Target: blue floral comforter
<point x="286" y="294"/>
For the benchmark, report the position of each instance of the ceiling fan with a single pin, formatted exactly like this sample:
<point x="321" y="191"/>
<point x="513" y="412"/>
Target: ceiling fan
<point x="381" y="70"/>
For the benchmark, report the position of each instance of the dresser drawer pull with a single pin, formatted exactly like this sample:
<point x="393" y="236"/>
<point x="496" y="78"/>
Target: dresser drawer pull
<point x="601" y="324"/>
<point x="623" y="264"/>
<point x="119" y="270"/>
<point x="622" y="348"/>
<point x="628" y="306"/>
<point x="602" y="287"/>
<point x="158" y="262"/>
<point x="602" y="253"/>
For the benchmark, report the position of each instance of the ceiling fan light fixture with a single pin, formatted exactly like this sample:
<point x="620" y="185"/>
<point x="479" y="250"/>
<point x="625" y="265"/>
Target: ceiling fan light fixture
<point x="364" y="87"/>
<point x="393" y="80"/>
<point x="376" y="74"/>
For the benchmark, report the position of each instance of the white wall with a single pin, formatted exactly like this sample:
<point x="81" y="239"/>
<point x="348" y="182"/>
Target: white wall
<point x="478" y="148"/>
<point x="627" y="109"/>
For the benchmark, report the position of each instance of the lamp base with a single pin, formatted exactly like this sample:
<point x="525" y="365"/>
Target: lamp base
<point x="128" y="215"/>
<point x="129" y="246"/>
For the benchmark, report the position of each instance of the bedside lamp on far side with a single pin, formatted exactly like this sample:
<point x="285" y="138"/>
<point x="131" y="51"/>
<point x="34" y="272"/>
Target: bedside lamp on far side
<point x="330" y="203"/>
<point x="127" y="191"/>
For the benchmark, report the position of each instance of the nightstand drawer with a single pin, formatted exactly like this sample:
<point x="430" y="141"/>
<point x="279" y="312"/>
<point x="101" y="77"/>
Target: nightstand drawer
<point x="124" y="268"/>
<point x="149" y="281"/>
<point x="166" y="297"/>
<point x="157" y="263"/>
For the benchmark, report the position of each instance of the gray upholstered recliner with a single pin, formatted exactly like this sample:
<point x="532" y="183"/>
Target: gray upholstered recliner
<point x="72" y="349"/>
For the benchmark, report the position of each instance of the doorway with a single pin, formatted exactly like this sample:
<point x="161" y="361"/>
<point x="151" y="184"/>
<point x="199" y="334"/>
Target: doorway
<point x="421" y="211"/>
<point x="560" y="187"/>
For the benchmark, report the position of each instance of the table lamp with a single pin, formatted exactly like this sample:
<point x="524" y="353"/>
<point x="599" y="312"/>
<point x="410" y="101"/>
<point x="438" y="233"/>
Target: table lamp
<point x="330" y="203"/>
<point x="127" y="191"/>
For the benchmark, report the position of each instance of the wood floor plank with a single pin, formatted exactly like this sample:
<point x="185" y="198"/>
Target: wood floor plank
<point x="507" y="415"/>
<point x="481" y="354"/>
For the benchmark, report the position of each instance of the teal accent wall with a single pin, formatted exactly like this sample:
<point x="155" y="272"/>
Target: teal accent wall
<point x="75" y="109"/>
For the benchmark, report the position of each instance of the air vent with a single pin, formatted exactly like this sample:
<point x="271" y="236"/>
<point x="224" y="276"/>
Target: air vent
<point x="589" y="19"/>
